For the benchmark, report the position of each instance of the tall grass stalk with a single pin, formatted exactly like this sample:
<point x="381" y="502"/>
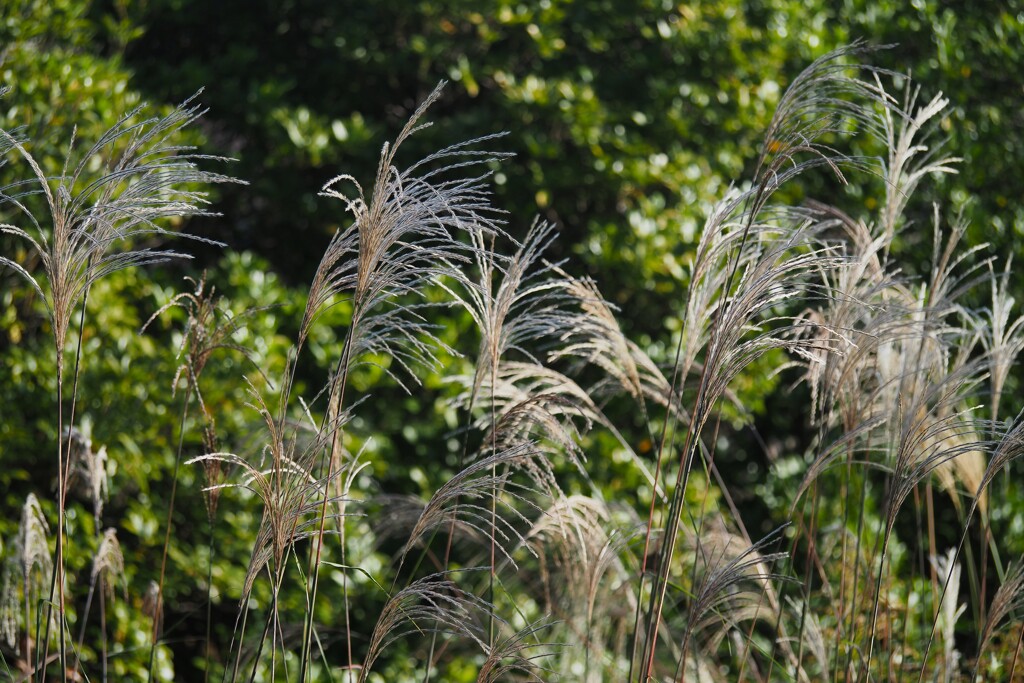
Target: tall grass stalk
<point x="96" y="221"/>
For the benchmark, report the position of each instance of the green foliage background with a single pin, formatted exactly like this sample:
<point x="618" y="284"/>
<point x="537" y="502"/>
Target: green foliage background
<point x="627" y="118"/>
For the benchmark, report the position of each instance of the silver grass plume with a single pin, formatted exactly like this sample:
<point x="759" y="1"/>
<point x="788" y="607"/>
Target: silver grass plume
<point x="773" y="265"/>
<point x="524" y="306"/>
<point x="743" y="270"/>
<point x="95" y="224"/>
<point x="746" y="328"/>
<point x="209" y="329"/>
<point x="586" y="568"/>
<point x="929" y="388"/>
<point x="592" y="335"/>
<point x="286" y="485"/>
<point x="26" y="568"/>
<point x="404" y="235"/>
<point x="530" y="402"/>
<point x="729" y="587"/>
<point x="813" y="635"/>
<point x="910" y="159"/>
<point x="400" y="514"/>
<point x="514" y="301"/>
<point x="88" y="468"/>
<point x="949" y="611"/>
<point x="1010" y="446"/>
<point x="860" y="313"/>
<point x="107" y="569"/>
<point x="895" y="370"/>
<point x="518" y="656"/>
<point x="933" y="429"/>
<point x="461" y="502"/>
<point x="108" y="562"/>
<point x="933" y="423"/>
<point x="896" y="365"/>
<point x="1007" y="600"/>
<point x="750" y="260"/>
<point x="533" y="403"/>
<point x="1000" y="336"/>
<point x="862" y="292"/>
<point x="826" y="98"/>
<point x="431" y="605"/>
<point x="97" y="220"/>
